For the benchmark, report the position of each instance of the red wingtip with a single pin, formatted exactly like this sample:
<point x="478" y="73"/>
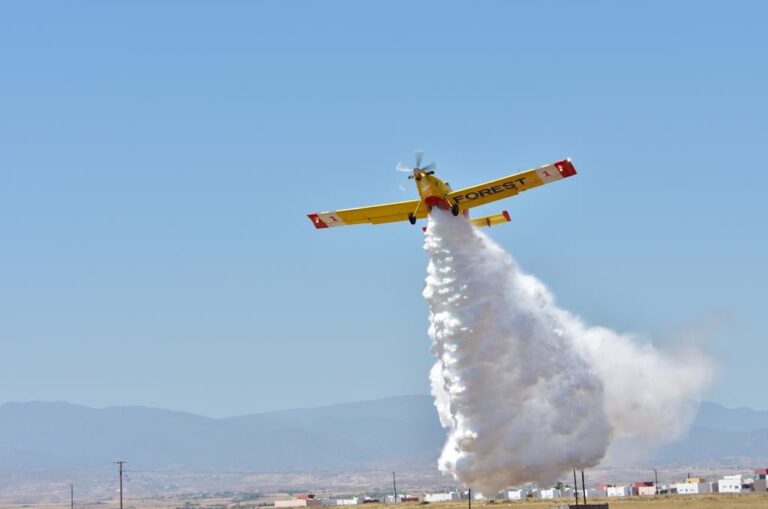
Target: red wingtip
<point x="317" y="221"/>
<point x="506" y="215"/>
<point x="565" y="167"/>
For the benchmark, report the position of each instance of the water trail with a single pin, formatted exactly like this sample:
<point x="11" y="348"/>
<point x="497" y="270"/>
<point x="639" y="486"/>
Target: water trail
<point x="525" y="389"/>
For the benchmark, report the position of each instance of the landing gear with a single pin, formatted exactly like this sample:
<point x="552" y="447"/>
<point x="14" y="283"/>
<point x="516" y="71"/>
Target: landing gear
<point x="455" y="209"/>
<point x="411" y="218"/>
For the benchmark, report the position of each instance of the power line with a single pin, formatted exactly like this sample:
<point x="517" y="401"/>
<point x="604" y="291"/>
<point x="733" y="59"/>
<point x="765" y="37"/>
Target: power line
<point x="120" y="470"/>
<point x="575" y="487"/>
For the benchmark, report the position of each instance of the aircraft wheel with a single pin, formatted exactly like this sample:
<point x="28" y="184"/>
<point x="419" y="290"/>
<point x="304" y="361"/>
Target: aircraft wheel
<point x="455" y="209"/>
<point x="411" y="218"/>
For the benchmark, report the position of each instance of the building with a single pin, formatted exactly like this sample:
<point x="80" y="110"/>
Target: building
<point x="730" y="484"/>
<point x="342" y="501"/>
<point x="441" y="497"/>
<point x="298" y="502"/>
<point x="348" y="501"/>
<point x="619" y="491"/>
<point x="690" y="488"/>
<point x="760" y="480"/>
<point x="644" y="488"/>
<point x="600" y="491"/>
<point x="390" y="499"/>
<point x="549" y="494"/>
<point x="646" y="491"/>
<point x="520" y="494"/>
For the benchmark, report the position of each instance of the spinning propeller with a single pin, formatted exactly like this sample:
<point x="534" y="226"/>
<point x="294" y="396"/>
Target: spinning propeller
<point x="429" y="169"/>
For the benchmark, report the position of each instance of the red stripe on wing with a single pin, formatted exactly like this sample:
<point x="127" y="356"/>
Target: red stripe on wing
<point x="565" y="167"/>
<point x="317" y="221"/>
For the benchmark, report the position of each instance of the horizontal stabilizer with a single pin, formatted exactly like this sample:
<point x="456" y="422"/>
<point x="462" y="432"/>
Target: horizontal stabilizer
<point x="491" y="220"/>
<point x="503" y="217"/>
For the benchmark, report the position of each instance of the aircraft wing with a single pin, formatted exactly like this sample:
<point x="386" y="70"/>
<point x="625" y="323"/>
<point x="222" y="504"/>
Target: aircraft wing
<point x="509" y="186"/>
<point x="376" y="214"/>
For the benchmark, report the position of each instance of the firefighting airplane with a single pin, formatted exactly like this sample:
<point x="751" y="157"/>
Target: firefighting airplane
<point x="433" y="192"/>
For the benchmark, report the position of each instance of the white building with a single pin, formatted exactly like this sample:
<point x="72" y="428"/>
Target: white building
<point x="345" y="501"/>
<point x="594" y="492"/>
<point x="692" y="488"/>
<point x="516" y="494"/>
<point x="646" y="490"/>
<point x="298" y="502"/>
<point x="730" y="484"/>
<point x="441" y="497"/>
<point x="619" y="491"/>
<point x="549" y="494"/>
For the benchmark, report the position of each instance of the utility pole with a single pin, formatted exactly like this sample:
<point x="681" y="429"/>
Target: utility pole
<point x="394" y="485"/>
<point x="583" y="489"/>
<point x="575" y="487"/>
<point x="120" y="470"/>
<point x="71" y="496"/>
<point x="656" y="478"/>
<point x="469" y="497"/>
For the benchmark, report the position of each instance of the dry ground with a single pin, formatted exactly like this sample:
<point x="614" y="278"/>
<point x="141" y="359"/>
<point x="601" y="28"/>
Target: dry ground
<point x="712" y="501"/>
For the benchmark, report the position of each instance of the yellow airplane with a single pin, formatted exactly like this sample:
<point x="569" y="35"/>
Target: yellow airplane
<point x="433" y="192"/>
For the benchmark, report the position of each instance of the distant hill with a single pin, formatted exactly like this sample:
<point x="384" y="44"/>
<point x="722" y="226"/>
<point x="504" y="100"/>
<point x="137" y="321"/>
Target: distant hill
<point x="44" y="435"/>
<point x="721" y="435"/>
<point x="706" y="446"/>
<point x="398" y="430"/>
<point x="714" y="416"/>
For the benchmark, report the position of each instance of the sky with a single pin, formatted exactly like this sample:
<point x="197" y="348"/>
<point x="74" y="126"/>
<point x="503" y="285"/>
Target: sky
<point x="158" y="160"/>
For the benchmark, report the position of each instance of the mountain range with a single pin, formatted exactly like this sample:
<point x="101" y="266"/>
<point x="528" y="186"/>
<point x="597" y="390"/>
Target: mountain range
<point x="399" y="430"/>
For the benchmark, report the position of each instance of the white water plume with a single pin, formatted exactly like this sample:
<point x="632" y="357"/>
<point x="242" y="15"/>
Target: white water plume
<point x="525" y="389"/>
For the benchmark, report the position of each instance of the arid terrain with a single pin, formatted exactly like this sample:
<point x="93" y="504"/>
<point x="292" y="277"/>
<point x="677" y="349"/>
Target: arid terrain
<point x="713" y="501"/>
<point x="243" y="490"/>
<point x="101" y="484"/>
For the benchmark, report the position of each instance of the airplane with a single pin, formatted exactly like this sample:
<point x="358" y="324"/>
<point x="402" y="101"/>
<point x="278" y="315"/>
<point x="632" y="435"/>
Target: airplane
<point x="433" y="192"/>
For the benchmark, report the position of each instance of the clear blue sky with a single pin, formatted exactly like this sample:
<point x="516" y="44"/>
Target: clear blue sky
<point x="158" y="160"/>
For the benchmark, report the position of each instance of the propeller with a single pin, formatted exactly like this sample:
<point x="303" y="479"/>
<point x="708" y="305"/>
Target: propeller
<point x="429" y="169"/>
